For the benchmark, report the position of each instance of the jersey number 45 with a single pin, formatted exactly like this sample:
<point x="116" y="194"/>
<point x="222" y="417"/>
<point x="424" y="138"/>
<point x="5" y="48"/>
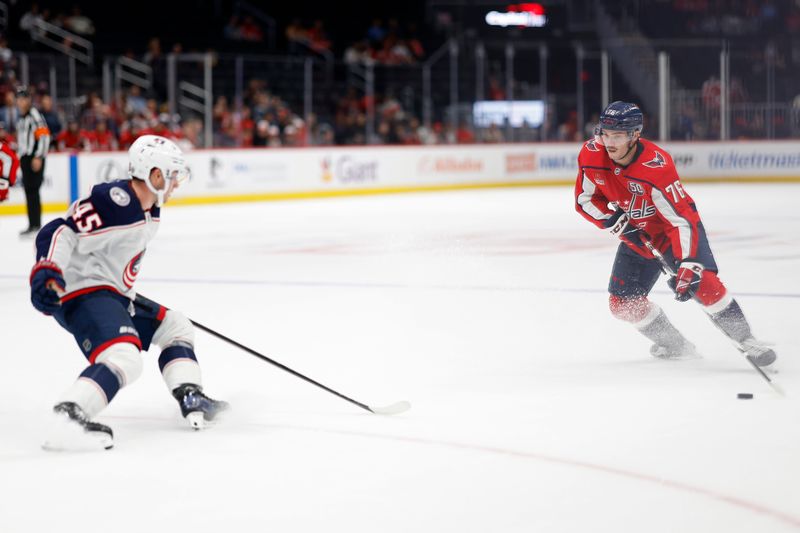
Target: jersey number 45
<point x="86" y="218"/>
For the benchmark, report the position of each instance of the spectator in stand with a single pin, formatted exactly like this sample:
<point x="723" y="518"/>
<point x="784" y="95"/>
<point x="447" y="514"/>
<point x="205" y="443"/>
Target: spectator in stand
<point x="464" y="134"/>
<point x="496" y="92"/>
<point x="297" y="37"/>
<point x="261" y="134"/>
<point x="376" y="33"/>
<point x="274" y="137"/>
<point x="232" y="30"/>
<point x="324" y="136"/>
<point x="414" y="43"/>
<point x="568" y="130"/>
<point x="6" y="136"/>
<point x="358" y="53"/>
<point x="9" y="114"/>
<point x="93" y="112"/>
<point x="135" y="102"/>
<point x="50" y="115"/>
<point x="102" y="139"/>
<point x="6" y="55"/>
<point x="493" y="134"/>
<point x="130" y="130"/>
<point x="318" y="39"/>
<point x="190" y="134"/>
<point x="246" y="126"/>
<point x="73" y="138"/>
<point x="711" y="92"/>
<point x="160" y="126"/>
<point x="79" y="23"/>
<point x="250" y="31"/>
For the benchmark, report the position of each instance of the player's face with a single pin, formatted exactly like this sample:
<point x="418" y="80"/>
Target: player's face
<point x="163" y="184"/>
<point x="617" y="143"/>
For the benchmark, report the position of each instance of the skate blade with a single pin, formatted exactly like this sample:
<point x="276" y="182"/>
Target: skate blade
<point x="680" y="357"/>
<point x="198" y="421"/>
<point x="65" y="435"/>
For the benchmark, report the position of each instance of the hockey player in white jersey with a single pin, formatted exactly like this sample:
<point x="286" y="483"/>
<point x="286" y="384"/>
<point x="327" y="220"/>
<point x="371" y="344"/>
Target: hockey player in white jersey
<point x="87" y="263"/>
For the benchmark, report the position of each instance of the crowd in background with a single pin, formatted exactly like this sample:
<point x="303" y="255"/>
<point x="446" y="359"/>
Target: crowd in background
<point x="267" y="117"/>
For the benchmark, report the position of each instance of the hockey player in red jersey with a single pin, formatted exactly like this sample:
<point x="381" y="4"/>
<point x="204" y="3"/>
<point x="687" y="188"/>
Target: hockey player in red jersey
<point x="9" y="164"/>
<point x="629" y="186"/>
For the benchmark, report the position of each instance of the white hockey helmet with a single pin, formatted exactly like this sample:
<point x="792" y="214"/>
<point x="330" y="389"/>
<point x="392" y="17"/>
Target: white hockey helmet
<point x="152" y="151"/>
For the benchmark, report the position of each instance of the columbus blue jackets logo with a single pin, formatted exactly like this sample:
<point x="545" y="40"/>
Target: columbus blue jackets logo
<point x="119" y="196"/>
<point x="132" y="270"/>
<point x="657" y="162"/>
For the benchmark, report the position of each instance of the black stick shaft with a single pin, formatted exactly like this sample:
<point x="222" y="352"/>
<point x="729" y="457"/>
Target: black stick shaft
<point x="279" y="365"/>
<point x="658" y="255"/>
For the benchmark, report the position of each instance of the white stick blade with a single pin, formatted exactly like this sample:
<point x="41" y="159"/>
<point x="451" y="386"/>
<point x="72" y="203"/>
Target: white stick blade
<point x="393" y="409"/>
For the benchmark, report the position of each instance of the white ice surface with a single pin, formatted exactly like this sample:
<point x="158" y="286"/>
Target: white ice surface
<point x="532" y="408"/>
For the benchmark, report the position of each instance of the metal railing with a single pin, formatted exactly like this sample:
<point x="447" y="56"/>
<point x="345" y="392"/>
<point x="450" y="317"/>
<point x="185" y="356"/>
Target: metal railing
<point x="442" y="92"/>
<point x="66" y="42"/>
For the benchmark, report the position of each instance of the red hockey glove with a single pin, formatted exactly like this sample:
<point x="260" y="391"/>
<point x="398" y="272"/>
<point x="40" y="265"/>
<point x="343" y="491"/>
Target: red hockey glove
<point x="47" y="281"/>
<point x="687" y="280"/>
<point x="4" y="184"/>
<point x="620" y="226"/>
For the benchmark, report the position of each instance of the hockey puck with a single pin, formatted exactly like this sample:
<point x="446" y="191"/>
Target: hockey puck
<point x="744" y="396"/>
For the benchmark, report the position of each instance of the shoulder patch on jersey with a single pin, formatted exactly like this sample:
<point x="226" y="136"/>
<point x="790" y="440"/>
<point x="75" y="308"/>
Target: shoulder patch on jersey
<point x="657" y="162"/>
<point x="592" y="146"/>
<point x="119" y="196"/>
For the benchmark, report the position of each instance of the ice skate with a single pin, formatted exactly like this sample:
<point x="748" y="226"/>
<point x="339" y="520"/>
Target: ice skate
<point x="758" y="352"/>
<point x="685" y="350"/>
<point x="196" y="407"/>
<point x="73" y="431"/>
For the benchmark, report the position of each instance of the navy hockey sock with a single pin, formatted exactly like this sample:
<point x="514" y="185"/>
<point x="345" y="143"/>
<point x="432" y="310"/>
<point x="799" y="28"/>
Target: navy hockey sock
<point x="731" y="320"/>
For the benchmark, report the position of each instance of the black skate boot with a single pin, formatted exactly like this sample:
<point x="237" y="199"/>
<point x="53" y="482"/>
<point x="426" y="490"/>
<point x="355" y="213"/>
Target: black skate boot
<point x="74" y="431"/>
<point x="758" y="352"/>
<point x="196" y="407"/>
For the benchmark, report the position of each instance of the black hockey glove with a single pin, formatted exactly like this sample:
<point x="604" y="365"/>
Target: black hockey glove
<point x="46" y="280"/>
<point x="621" y="226"/>
<point x="686" y="280"/>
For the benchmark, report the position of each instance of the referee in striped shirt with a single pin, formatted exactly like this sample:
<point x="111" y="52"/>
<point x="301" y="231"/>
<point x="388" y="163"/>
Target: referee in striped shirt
<point x="33" y="140"/>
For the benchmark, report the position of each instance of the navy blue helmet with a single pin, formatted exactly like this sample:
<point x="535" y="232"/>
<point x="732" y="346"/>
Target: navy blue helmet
<point x="621" y="116"/>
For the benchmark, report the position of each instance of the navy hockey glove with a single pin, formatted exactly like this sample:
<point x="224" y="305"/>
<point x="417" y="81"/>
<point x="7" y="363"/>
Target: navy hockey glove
<point x="620" y="226"/>
<point x="46" y="277"/>
<point x="686" y="280"/>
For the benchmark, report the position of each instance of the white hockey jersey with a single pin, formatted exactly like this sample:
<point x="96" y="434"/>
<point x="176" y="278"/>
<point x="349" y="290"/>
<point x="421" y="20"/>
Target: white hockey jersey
<point x="101" y="241"/>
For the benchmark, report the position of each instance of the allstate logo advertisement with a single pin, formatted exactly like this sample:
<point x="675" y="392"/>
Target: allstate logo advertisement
<point x="348" y="169"/>
<point x="449" y="164"/>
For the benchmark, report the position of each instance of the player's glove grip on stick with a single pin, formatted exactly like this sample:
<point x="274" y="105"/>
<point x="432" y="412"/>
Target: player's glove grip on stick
<point x="47" y="282"/>
<point x="686" y="280"/>
<point x="620" y="226"/>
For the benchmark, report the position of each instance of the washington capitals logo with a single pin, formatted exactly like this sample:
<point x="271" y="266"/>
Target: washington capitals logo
<point x="592" y="146"/>
<point x="132" y="270"/>
<point x="638" y="206"/>
<point x="657" y="162"/>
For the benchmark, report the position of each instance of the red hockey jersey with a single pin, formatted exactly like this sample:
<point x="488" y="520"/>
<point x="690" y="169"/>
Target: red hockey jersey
<point x="648" y="189"/>
<point x="9" y="165"/>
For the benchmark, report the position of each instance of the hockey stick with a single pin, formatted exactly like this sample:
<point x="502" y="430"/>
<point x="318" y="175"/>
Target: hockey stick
<point x="671" y="271"/>
<point x="392" y="409"/>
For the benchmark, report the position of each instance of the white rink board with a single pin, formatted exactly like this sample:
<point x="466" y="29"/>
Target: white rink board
<point x="259" y="173"/>
<point x="56" y="187"/>
<point x="263" y="171"/>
